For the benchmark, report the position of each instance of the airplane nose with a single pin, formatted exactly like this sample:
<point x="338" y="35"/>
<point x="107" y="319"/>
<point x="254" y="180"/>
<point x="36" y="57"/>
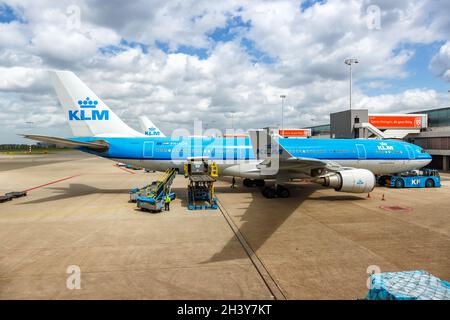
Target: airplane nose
<point x="427" y="158"/>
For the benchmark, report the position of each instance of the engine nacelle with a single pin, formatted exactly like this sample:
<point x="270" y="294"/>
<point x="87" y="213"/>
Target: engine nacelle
<point x="353" y="180"/>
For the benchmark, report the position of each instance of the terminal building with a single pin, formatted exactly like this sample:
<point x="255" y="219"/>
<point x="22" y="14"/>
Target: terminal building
<point x="429" y="129"/>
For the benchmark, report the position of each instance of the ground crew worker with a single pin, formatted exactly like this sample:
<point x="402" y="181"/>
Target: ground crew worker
<point x="233" y="183"/>
<point x="167" y="202"/>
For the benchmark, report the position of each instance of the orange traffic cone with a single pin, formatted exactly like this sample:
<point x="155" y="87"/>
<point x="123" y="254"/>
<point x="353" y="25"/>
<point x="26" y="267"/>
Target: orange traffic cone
<point x="368" y="196"/>
<point x="382" y="198"/>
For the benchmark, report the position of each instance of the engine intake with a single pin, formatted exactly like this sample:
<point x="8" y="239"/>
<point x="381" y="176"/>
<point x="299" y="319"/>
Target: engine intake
<point x="353" y="180"/>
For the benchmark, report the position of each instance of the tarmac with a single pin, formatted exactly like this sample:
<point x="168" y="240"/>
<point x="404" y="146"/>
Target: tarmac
<point x="317" y="244"/>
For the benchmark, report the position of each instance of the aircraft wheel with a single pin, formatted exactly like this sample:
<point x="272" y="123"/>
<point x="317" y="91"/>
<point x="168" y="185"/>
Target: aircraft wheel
<point x="429" y="183"/>
<point x="269" y="192"/>
<point x="399" y="183"/>
<point x="382" y="181"/>
<point x="283" y="192"/>
<point x="260" y="183"/>
<point x="247" y="183"/>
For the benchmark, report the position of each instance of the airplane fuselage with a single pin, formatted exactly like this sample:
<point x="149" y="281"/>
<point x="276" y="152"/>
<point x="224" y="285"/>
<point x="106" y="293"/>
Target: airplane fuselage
<point x="235" y="156"/>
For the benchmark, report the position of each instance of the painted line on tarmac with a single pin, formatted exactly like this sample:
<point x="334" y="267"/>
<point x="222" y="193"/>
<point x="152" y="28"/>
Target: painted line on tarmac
<point x="124" y="169"/>
<point x="52" y="182"/>
<point x="268" y="280"/>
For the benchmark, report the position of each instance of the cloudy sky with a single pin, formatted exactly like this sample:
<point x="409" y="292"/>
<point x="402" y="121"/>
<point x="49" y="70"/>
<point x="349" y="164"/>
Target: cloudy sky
<point x="180" y="61"/>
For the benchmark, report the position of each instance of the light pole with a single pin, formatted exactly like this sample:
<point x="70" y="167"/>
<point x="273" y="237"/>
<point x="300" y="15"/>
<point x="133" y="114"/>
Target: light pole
<point x="282" y="96"/>
<point x="349" y="62"/>
<point x="232" y="119"/>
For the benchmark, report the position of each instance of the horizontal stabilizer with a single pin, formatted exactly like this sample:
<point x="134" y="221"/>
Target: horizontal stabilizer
<point x="97" y="145"/>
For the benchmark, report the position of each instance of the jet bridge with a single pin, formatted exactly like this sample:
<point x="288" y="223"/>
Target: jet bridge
<point x="370" y="128"/>
<point x="358" y="123"/>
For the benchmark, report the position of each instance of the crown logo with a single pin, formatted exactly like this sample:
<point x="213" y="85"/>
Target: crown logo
<point x="87" y="103"/>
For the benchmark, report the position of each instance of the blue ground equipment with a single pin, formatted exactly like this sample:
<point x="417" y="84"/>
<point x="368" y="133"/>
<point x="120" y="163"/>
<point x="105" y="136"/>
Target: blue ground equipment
<point x="136" y="192"/>
<point x="201" y="184"/>
<point x="151" y="197"/>
<point x="426" y="178"/>
<point x="407" y="285"/>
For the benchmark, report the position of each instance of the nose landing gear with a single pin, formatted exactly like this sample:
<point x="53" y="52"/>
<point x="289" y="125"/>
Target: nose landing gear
<point x="276" y="192"/>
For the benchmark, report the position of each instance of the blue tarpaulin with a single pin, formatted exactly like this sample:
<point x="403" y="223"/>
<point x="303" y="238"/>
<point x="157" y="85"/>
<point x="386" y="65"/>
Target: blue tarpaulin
<point x="407" y="285"/>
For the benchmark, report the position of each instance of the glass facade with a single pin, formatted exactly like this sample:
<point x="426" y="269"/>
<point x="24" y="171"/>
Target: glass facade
<point x="438" y="147"/>
<point x="437" y="117"/>
<point x="434" y="143"/>
<point x="320" y="130"/>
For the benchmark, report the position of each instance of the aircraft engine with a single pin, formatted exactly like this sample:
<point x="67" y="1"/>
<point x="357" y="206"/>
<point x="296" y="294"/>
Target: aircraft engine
<point x="353" y="180"/>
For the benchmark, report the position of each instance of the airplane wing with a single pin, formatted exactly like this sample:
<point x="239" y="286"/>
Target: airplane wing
<point x="98" y="145"/>
<point x="270" y="151"/>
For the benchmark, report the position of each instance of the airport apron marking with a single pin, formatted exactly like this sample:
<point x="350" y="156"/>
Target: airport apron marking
<point x="52" y="182"/>
<point x="124" y="169"/>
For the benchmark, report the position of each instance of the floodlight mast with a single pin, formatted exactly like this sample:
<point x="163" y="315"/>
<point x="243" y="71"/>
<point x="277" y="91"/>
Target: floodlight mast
<point x="349" y="62"/>
<point x="282" y="96"/>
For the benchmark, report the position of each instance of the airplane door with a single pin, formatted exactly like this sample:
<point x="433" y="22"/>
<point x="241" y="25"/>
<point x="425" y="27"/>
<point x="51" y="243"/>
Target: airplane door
<point x="411" y="154"/>
<point x="361" y="150"/>
<point x="148" y="149"/>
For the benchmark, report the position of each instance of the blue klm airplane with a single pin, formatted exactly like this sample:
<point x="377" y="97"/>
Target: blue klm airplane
<point x="347" y="165"/>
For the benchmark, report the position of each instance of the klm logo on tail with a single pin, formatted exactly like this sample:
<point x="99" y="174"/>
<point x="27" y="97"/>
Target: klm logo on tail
<point x="152" y="132"/>
<point x="88" y="111"/>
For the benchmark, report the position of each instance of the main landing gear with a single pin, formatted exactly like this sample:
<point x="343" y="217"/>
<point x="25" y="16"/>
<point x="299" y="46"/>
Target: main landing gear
<point x="276" y="192"/>
<point x="249" y="183"/>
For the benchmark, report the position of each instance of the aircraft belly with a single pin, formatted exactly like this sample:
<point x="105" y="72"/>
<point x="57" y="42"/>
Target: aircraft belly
<point x="162" y="165"/>
<point x="157" y="165"/>
<point x="234" y="168"/>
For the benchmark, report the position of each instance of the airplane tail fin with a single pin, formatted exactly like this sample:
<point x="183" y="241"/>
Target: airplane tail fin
<point x="87" y="115"/>
<point x="149" y="127"/>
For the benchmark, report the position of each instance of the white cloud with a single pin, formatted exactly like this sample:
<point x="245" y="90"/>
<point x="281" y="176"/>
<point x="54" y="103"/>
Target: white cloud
<point x="440" y="64"/>
<point x="13" y="35"/>
<point x="20" y="79"/>
<point x="407" y="101"/>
